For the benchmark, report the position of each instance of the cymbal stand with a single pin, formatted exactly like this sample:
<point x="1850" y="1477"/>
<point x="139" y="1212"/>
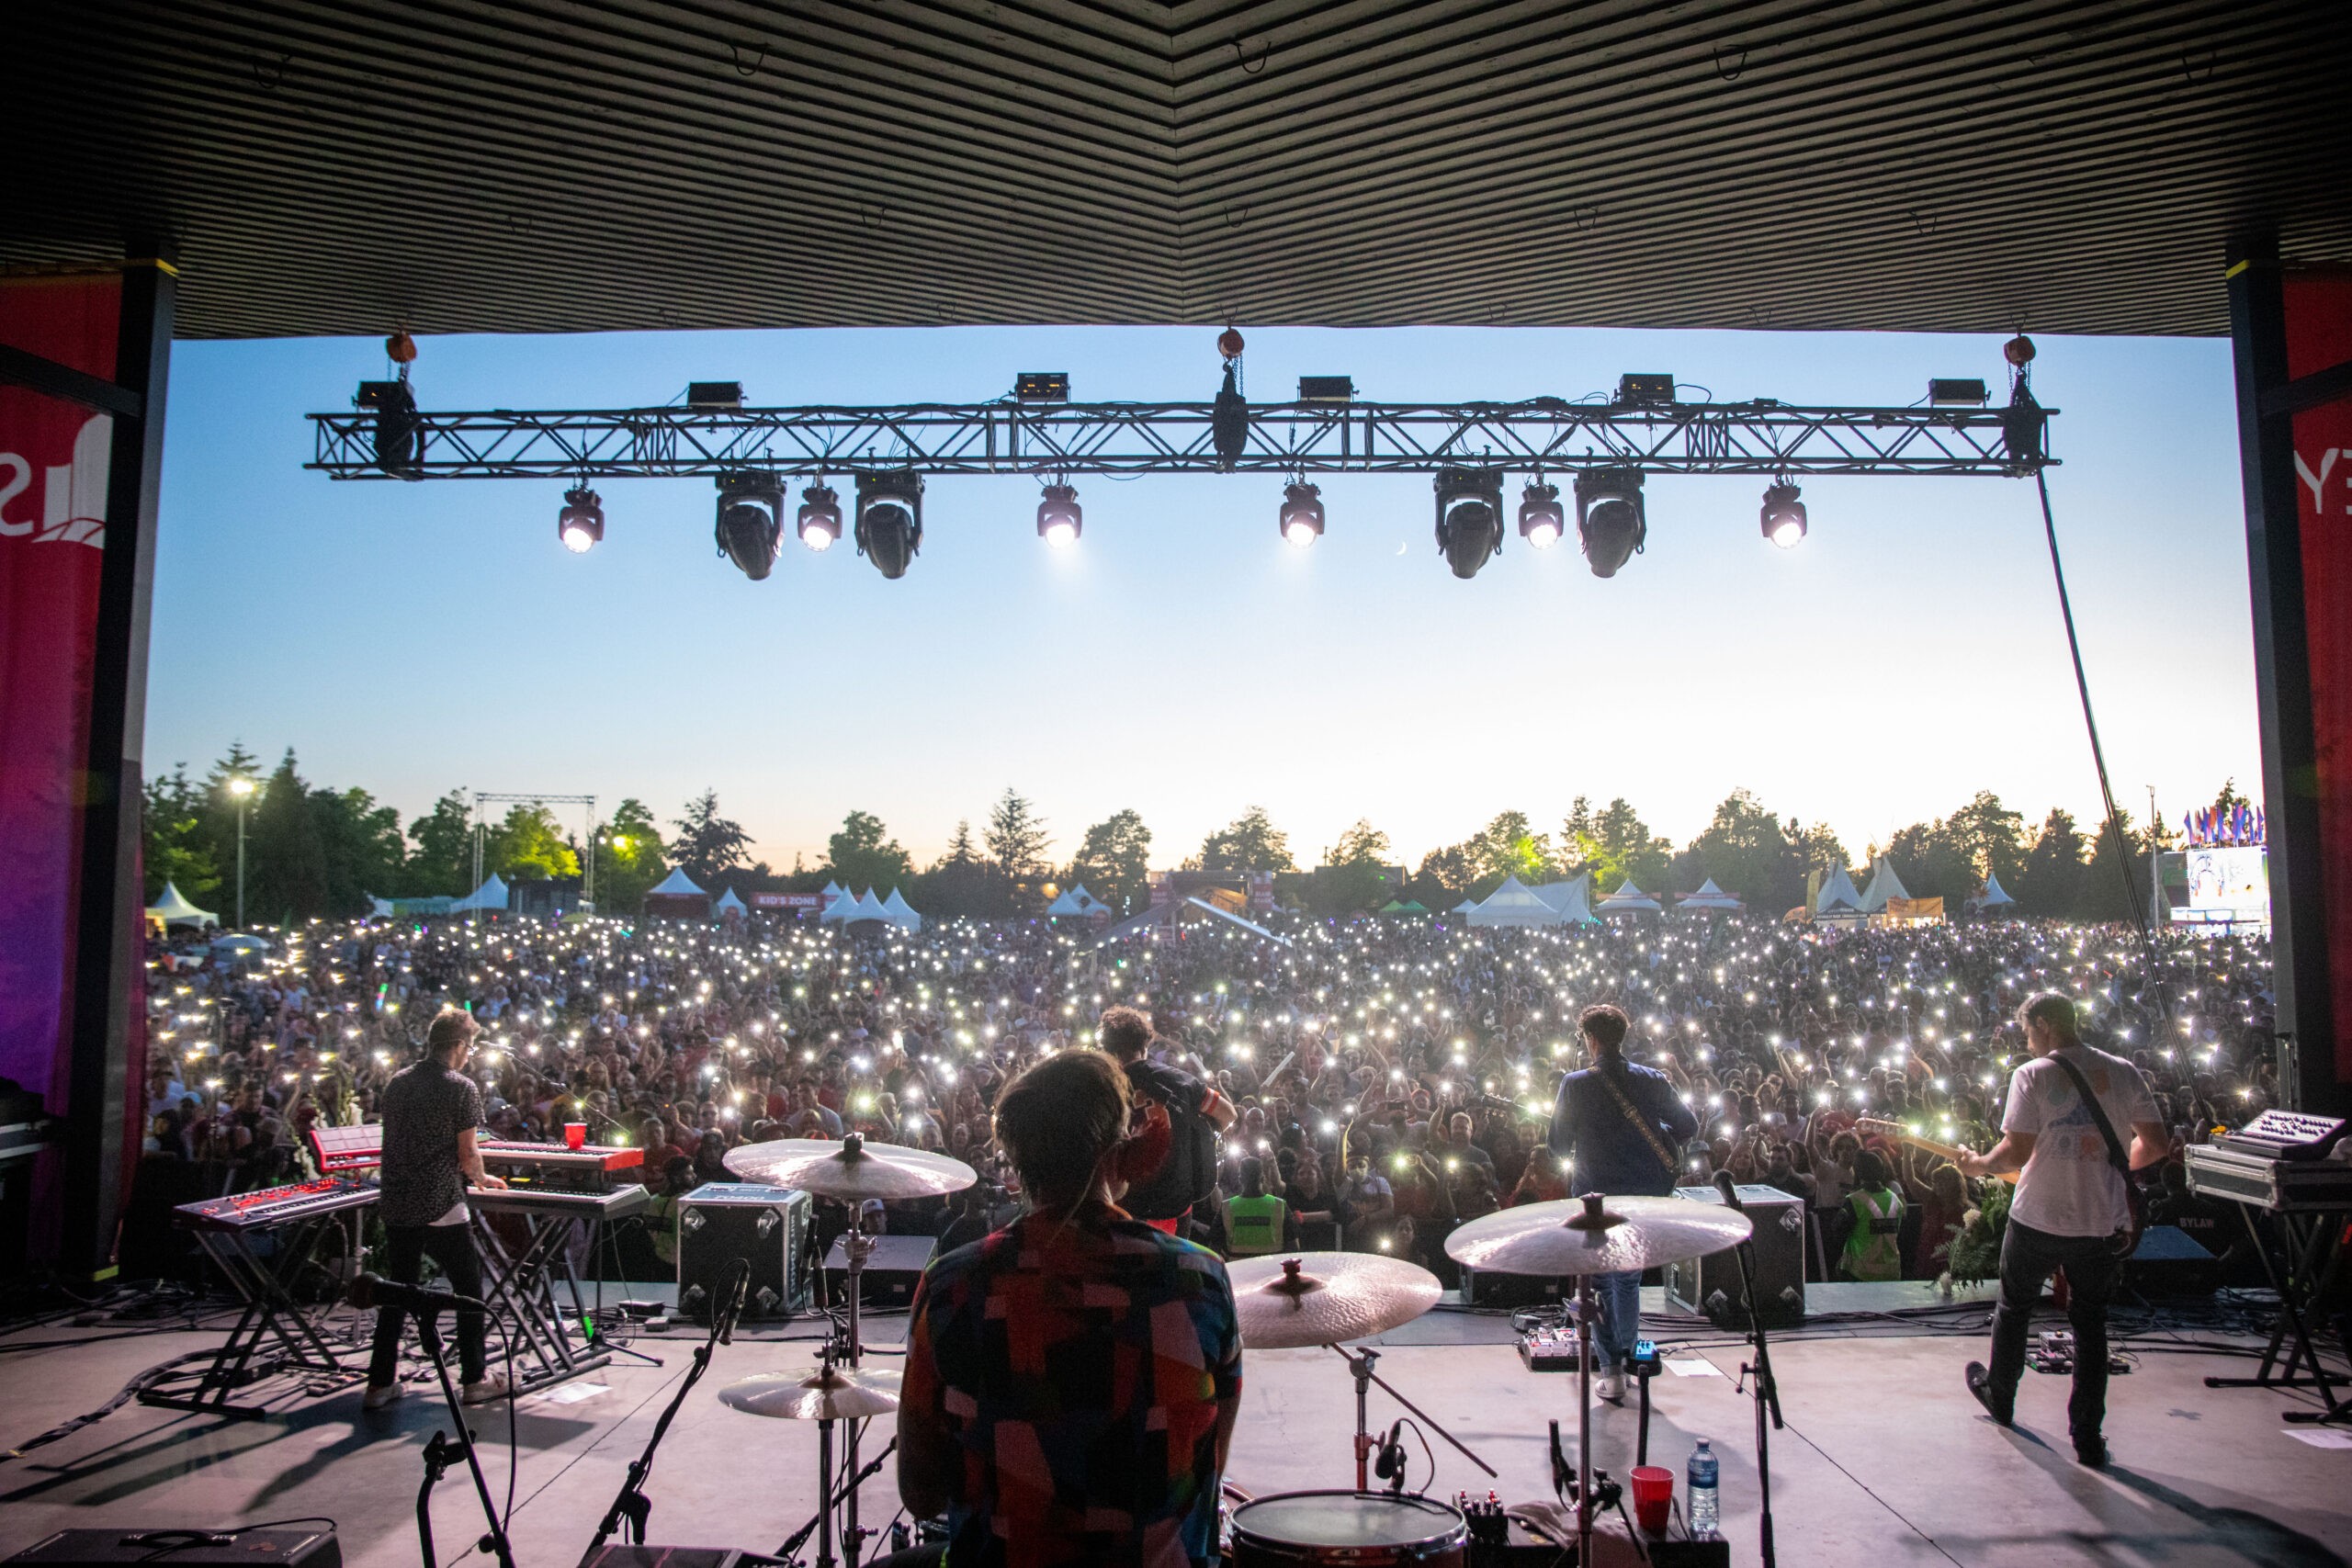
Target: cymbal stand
<point x="1767" y="1391"/>
<point x="1359" y="1362"/>
<point x="856" y="1248"/>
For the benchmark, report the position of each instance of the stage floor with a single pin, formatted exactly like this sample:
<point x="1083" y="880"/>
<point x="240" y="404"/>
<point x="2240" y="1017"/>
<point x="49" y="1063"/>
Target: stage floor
<point x="1885" y="1462"/>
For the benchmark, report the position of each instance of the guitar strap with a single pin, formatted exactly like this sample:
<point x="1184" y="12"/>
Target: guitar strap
<point x="1633" y="1113"/>
<point x="2115" y="1154"/>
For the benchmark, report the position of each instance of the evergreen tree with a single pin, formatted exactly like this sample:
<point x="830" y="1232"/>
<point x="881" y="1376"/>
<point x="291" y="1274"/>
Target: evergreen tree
<point x="1616" y="846"/>
<point x="364" y="854"/>
<point x="1250" y="842"/>
<point x="1016" y="838"/>
<point x="1114" y="859"/>
<point x="442" y="865"/>
<point x="961" y="884"/>
<point x="862" y="855"/>
<point x="1751" y="854"/>
<point x="178" y="848"/>
<point x="707" y="844"/>
<point x="2051" y="881"/>
<point x="285" y="862"/>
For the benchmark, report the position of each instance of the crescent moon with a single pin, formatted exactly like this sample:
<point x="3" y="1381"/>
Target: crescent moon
<point x="1401" y="549"/>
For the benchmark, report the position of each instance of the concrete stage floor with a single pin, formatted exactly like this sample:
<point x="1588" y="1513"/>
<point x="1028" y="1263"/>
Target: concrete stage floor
<point x="1885" y="1462"/>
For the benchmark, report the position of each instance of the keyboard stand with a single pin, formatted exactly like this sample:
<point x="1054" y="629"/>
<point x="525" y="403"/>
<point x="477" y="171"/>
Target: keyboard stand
<point x="520" y="1288"/>
<point x="2301" y="1275"/>
<point x="274" y="1334"/>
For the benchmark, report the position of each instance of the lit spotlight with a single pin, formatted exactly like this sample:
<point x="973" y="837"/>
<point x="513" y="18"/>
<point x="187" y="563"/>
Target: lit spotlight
<point x="890" y="520"/>
<point x="1059" y="519"/>
<point x="1609" y="517"/>
<point x="1540" y="521"/>
<point x="582" y="521"/>
<point x="1302" y="517"/>
<point x="820" y="517"/>
<point x="751" y="527"/>
<point x="1783" y="515"/>
<point x="1469" y="517"/>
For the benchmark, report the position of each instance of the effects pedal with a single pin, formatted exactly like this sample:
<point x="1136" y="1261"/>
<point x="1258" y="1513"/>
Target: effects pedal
<point x="1549" y="1349"/>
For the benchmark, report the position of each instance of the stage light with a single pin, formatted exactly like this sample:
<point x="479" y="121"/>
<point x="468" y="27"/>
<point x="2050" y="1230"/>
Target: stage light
<point x="1469" y="517"/>
<point x="1302" y="514"/>
<point x="581" y="525"/>
<point x="890" y="520"/>
<point x="820" y="517"/>
<point x="1609" y="517"/>
<point x="1059" y="518"/>
<point x="1783" y="515"/>
<point x="1540" y="521"/>
<point x="751" y="527"/>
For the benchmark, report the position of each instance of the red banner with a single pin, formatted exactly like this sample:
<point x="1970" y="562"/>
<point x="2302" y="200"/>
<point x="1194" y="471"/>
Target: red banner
<point x="2319" y="336"/>
<point x="53" y="461"/>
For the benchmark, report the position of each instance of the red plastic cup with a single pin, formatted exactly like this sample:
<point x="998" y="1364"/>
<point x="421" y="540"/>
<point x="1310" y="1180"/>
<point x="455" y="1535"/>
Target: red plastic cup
<point x="1653" y="1498"/>
<point x="575" y="1134"/>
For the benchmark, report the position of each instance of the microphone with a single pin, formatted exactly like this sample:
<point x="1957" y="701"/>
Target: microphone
<point x="1725" y="1185"/>
<point x="1391" y="1461"/>
<point x="375" y="1290"/>
<point x="1560" y="1474"/>
<point x="738" y="1282"/>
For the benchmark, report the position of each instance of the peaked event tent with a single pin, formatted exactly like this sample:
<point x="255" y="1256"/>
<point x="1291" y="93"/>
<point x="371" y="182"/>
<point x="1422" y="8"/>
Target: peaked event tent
<point x="1709" y="897"/>
<point x="678" y="896"/>
<point x="173" y="910"/>
<point x="1992" y="897"/>
<point x="729" y="903"/>
<point x="1571" y="898"/>
<point x="1629" y="900"/>
<point x="491" y="895"/>
<point x="1836" y="893"/>
<point x="1513" y="904"/>
<point x="1884" y="885"/>
<point x="901" y="913"/>
<point x="1078" y="901"/>
<point x="867" y="908"/>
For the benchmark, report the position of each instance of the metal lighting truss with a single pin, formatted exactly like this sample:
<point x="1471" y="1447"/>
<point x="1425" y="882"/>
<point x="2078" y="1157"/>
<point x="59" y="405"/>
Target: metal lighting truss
<point x="1541" y="434"/>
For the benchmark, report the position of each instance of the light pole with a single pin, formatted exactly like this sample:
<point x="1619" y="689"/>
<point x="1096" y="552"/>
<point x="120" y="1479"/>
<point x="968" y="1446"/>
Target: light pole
<point x="242" y="789"/>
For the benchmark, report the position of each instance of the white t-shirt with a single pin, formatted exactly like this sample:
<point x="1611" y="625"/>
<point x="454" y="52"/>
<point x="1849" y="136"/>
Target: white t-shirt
<point x="2069" y="1187"/>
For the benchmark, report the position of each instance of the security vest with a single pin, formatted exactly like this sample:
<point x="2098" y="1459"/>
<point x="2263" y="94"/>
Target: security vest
<point x="1254" y="1225"/>
<point x="1874" y="1250"/>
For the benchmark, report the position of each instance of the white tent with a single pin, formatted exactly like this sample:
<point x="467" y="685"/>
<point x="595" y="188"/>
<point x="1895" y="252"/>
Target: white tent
<point x="841" y="904"/>
<point x="867" y="908"/>
<point x="1076" y="902"/>
<point x="1884" y="885"/>
<point x="1571" y="898"/>
<point x="1994" y="895"/>
<point x="1513" y="904"/>
<point x="729" y="903"/>
<point x="1628" y="900"/>
<point x="173" y="910"/>
<point x="677" y="885"/>
<point x="899" y="912"/>
<point x="1464" y="907"/>
<point x="833" y="890"/>
<point x="1836" y="893"/>
<point x="1709" y="897"/>
<point x="491" y="895"/>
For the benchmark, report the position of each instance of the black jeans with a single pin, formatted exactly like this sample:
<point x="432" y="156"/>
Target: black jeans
<point x="2027" y="1257"/>
<point x="451" y="1246"/>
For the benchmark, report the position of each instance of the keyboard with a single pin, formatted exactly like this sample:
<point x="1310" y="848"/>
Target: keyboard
<point x="616" y="1205"/>
<point x="2288" y="1136"/>
<point x="275" y="1205"/>
<point x="605" y="1157"/>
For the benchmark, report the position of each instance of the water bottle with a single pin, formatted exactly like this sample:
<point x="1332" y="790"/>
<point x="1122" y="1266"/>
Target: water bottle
<point x="1703" y="1512"/>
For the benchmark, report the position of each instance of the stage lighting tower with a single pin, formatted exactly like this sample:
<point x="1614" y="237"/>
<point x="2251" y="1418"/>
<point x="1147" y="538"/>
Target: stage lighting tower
<point x="1302" y="514"/>
<point x="820" y="517"/>
<point x="581" y="525"/>
<point x="1469" y="517"/>
<point x="1540" y="521"/>
<point x="1783" y="515"/>
<point x="890" y="520"/>
<point x="751" y="526"/>
<point x="1059" y="518"/>
<point x="1610" y="518"/>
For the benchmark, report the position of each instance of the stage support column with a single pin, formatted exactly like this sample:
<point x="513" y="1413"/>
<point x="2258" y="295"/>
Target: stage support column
<point x="109" y="989"/>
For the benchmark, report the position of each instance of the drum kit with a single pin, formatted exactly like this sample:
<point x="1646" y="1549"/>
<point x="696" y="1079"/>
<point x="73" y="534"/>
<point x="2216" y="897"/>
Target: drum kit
<point x="1283" y="1301"/>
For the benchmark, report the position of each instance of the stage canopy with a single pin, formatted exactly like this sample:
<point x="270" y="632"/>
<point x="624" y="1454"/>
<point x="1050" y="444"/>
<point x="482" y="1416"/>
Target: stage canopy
<point x="173" y="910"/>
<point x="1513" y="904"/>
<point x="351" y="166"/>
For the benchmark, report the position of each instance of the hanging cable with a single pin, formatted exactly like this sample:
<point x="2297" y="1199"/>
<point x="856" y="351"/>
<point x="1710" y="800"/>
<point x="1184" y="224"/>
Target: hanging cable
<point x="2141" y="916"/>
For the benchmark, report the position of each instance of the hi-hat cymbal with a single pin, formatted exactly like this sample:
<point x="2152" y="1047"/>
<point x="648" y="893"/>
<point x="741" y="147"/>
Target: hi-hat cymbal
<point x="1594" y="1234"/>
<point x="852" y="1168"/>
<point x="1326" y="1298"/>
<point x="816" y="1394"/>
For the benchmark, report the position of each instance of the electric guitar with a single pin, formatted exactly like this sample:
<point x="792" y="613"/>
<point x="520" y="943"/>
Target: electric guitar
<point x="1877" y="1126"/>
<point x="2123" y="1243"/>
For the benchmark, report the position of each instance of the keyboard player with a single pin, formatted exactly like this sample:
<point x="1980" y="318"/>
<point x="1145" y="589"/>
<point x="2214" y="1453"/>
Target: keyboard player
<point x="432" y="1111"/>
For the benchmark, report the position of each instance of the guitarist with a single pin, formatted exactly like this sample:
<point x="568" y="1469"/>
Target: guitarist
<point x="2073" y="1205"/>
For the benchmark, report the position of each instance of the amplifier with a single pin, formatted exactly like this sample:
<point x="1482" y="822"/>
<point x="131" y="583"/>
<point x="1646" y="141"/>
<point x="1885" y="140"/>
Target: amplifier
<point x="310" y="1547"/>
<point x="891" y="1272"/>
<point x="722" y="1221"/>
<point x="1711" y="1285"/>
<point x="2169" y="1262"/>
<point x="1488" y="1289"/>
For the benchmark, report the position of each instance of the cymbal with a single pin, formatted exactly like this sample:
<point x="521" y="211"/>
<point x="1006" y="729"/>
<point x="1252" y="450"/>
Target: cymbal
<point x="816" y="1394"/>
<point x="1594" y="1234"/>
<point x="852" y="1168"/>
<point x="1326" y="1298"/>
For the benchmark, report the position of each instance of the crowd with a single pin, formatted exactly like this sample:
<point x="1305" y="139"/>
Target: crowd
<point x="1390" y="1078"/>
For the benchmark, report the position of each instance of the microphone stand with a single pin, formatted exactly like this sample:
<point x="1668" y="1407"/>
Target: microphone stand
<point x="1765" y="1387"/>
<point x="439" y="1452"/>
<point x="631" y="1503"/>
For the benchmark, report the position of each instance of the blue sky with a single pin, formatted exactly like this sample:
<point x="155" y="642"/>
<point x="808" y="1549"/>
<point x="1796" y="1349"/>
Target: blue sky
<point x="414" y="638"/>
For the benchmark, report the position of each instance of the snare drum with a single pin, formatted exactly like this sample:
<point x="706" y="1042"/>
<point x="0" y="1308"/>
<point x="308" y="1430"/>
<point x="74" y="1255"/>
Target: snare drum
<point x="1357" y="1529"/>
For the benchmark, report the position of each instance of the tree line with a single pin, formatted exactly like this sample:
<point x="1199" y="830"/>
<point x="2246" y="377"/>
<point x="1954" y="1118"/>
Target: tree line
<point x="313" y="850"/>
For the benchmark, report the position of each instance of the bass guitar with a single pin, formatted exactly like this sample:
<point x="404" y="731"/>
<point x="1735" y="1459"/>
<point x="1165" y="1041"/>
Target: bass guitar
<point x="1878" y="1126"/>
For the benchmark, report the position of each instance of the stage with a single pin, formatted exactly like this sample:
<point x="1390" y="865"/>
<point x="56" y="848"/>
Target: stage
<point x="1884" y="1461"/>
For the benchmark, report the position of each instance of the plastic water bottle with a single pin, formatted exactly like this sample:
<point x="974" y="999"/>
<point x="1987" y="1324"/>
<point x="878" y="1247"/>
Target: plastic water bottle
<point x="1704" y="1513"/>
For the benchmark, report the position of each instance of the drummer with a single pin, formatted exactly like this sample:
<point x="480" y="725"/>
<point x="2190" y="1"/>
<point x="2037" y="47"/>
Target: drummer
<point x="1619" y="1128"/>
<point x="1047" y="1410"/>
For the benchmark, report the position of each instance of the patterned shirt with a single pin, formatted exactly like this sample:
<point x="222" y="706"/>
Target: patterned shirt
<point x="1079" y="1367"/>
<point x="426" y="1106"/>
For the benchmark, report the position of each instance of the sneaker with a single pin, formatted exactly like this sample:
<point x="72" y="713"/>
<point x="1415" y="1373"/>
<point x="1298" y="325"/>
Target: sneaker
<point x="380" y="1395"/>
<point x="492" y="1386"/>
<point x="1610" y="1386"/>
<point x="1980" y="1387"/>
<point x="2091" y="1451"/>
